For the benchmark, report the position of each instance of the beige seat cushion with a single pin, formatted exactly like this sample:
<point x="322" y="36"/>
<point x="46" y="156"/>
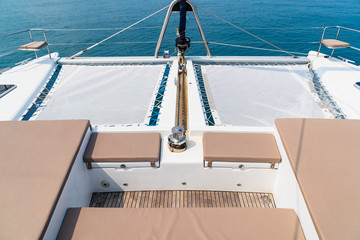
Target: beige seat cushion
<point x="333" y="43"/>
<point x="123" y="147"/>
<point x="240" y="147"/>
<point x="35" y="159"/>
<point x="325" y="155"/>
<point x="180" y="223"/>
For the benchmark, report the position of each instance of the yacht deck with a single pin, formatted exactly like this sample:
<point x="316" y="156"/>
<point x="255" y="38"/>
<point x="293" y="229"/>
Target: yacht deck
<point x="180" y="147"/>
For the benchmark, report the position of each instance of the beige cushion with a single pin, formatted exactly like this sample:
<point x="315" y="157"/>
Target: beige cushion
<point x="240" y="147"/>
<point x="33" y="46"/>
<point x="180" y="223"/>
<point x="123" y="147"/>
<point x="325" y="155"/>
<point x="333" y="43"/>
<point x="35" y="160"/>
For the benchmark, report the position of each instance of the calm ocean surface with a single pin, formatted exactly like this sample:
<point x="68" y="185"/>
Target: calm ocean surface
<point x="299" y="18"/>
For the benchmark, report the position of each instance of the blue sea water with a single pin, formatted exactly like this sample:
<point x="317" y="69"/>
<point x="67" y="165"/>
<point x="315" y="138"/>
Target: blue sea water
<point x="281" y="22"/>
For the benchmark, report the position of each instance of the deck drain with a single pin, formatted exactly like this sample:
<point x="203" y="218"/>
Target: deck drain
<point x="99" y="198"/>
<point x="265" y="199"/>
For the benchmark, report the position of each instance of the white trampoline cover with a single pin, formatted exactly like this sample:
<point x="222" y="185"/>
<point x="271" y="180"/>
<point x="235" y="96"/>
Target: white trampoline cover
<point x="257" y="95"/>
<point x="103" y="94"/>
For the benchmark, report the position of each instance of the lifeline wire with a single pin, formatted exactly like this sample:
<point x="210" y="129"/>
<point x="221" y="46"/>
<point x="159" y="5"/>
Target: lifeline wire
<point x="257" y="48"/>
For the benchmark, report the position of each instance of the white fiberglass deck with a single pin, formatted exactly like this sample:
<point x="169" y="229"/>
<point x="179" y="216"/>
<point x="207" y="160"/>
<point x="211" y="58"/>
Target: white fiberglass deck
<point x="103" y="94"/>
<point x="256" y="95"/>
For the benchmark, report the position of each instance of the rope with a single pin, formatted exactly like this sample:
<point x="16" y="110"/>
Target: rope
<point x="92" y="29"/>
<point x="112" y="43"/>
<point x="96" y="44"/>
<point x="147" y="42"/>
<point x="247" y="32"/>
<point x="250" y="42"/>
<point x="191" y="53"/>
<point x="266" y="49"/>
<point x="354" y="48"/>
<point x="151" y="27"/>
<point x="273" y="28"/>
<point x="173" y="53"/>
<point x="8" y="53"/>
<point x="8" y="35"/>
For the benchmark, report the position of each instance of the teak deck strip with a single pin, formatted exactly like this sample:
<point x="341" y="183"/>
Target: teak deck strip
<point x="33" y="45"/>
<point x="181" y="199"/>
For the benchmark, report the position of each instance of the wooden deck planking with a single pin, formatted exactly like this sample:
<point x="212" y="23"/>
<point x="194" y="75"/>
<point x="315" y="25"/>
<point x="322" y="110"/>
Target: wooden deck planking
<point x="181" y="199"/>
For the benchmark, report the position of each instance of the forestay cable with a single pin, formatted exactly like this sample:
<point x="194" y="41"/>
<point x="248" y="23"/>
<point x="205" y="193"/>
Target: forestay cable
<point x="246" y="32"/>
<point x="96" y="44"/>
